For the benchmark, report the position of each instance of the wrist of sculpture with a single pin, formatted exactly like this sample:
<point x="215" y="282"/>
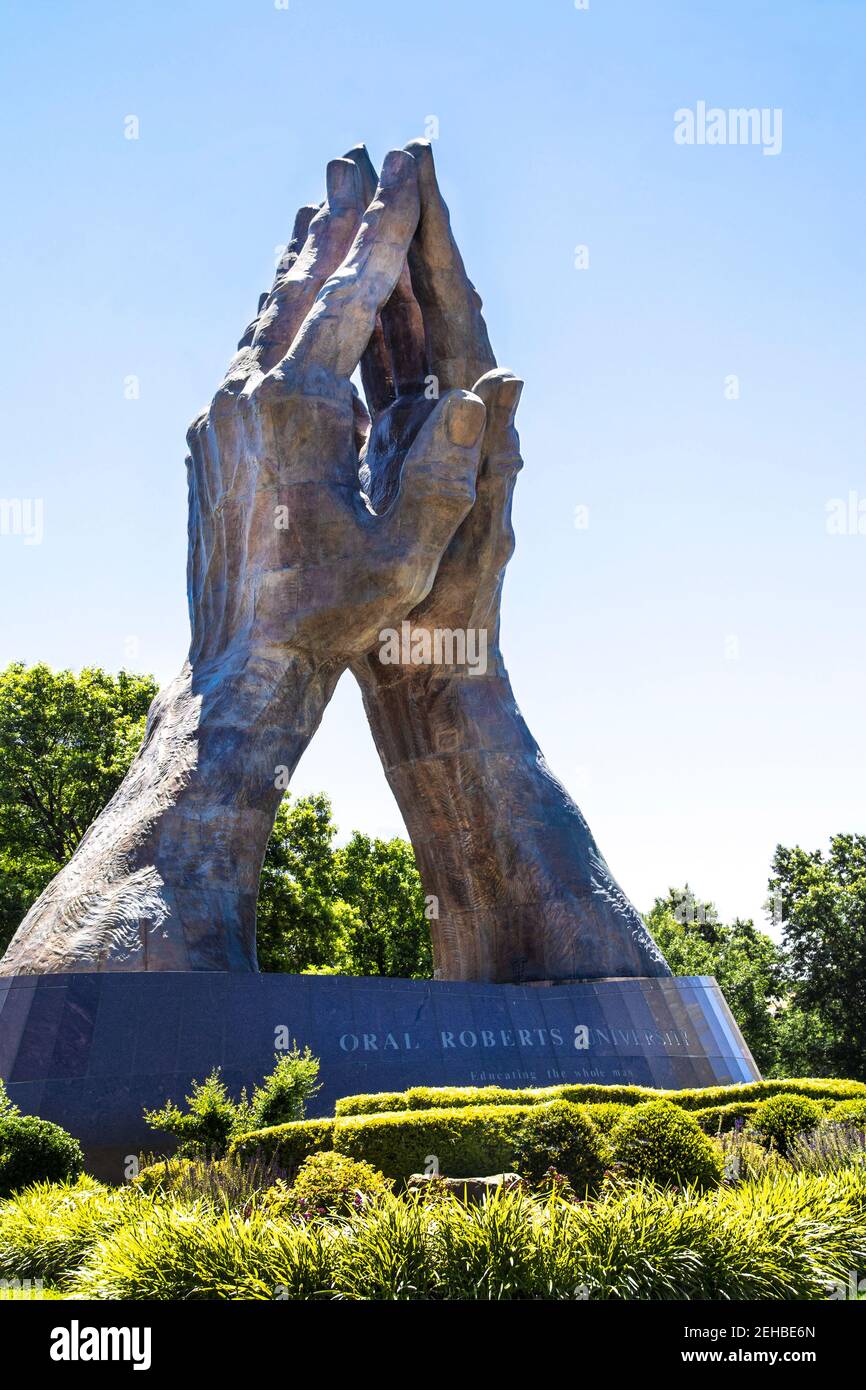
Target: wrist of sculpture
<point x="517" y="888"/>
<point x="167" y="876"/>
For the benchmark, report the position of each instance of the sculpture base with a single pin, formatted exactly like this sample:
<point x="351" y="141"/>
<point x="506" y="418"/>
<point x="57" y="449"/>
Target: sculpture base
<point x="91" y="1051"/>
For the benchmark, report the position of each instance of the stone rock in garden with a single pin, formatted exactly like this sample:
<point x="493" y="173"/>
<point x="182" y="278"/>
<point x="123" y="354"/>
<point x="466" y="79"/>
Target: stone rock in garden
<point x="466" y="1189"/>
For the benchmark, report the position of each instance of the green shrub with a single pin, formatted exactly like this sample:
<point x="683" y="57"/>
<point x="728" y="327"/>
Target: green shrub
<point x="285" y="1145"/>
<point x="383" y="1102"/>
<point x="561" y="1136"/>
<point x="46" y="1230"/>
<point x="475" y="1140"/>
<point x="605" y="1115"/>
<point x="664" y="1144"/>
<point x="721" y="1119"/>
<point x="491" y="1251"/>
<point x="283" y="1095"/>
<point x="197" y="1251"/>
<point x="848" y="1112"/>
<point x="467" y="1142"/>
<point x="449" y="1097"/>
<point x="392" y="1251"/>
<point x="33" y="1150"/>
<point x="328" y="1184"/>
<point x="211" y="1118"/>
<point x="781" y="1118"/>
<point x="6" y="1106"/>
<point x="470" y="1141"/>
<point x="779" y="1238"/>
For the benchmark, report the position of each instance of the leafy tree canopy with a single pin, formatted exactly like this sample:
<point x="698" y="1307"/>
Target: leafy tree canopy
<point x="66" y="741"/>
<point x="822" y="901"/>
<point x="356" y="909"/>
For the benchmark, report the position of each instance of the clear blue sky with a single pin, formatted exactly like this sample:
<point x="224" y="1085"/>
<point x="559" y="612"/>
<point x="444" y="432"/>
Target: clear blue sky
<point x="693" y="662"/>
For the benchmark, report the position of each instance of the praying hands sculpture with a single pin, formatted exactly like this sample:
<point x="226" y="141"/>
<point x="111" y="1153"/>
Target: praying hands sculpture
<point x="318" y="527"/>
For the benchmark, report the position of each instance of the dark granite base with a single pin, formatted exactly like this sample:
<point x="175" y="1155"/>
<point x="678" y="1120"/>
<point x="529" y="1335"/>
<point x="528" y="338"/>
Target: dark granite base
<point x="90" y="1051"/>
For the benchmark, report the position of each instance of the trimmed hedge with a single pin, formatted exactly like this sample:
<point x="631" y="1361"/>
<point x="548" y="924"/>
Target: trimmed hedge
<point x="664" y="1144"/>
<point x="781" y="1118"/>
<point x="288" y="1145"/>
<point x="562" y="1137"/>
<point x="474" y="1140"/>
<point x="721" y="1119"/>
<point x="444" y="1097"/>
<point x="449" y="1097"/>
<point x="467" y="1142"/>
<point x="848" y="1112"/>
<point x="822" y="1088"/>
<point x="605" y="1115"/>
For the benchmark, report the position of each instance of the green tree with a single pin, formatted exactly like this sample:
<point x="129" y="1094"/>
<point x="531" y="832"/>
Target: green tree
<point x="298" y="919"/>
<point x="746" y="962"/>
<point x="804" y="1046"/>
<point x="211" y="1118"/>
<point x="22" y="878"/>
<point x="283" y="1095"/>
<point x="353" y="910"/>
<point x="66" y="741"/>
<point x="822" y="903"/>
<point x="387" y="932"/>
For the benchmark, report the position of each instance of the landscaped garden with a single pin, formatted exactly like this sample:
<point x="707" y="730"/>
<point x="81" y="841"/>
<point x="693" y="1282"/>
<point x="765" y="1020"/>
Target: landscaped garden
<point x="751" y="1192"/>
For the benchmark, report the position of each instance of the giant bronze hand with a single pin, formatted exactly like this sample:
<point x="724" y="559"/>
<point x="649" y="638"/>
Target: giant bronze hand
<point x="522" y="889"/>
